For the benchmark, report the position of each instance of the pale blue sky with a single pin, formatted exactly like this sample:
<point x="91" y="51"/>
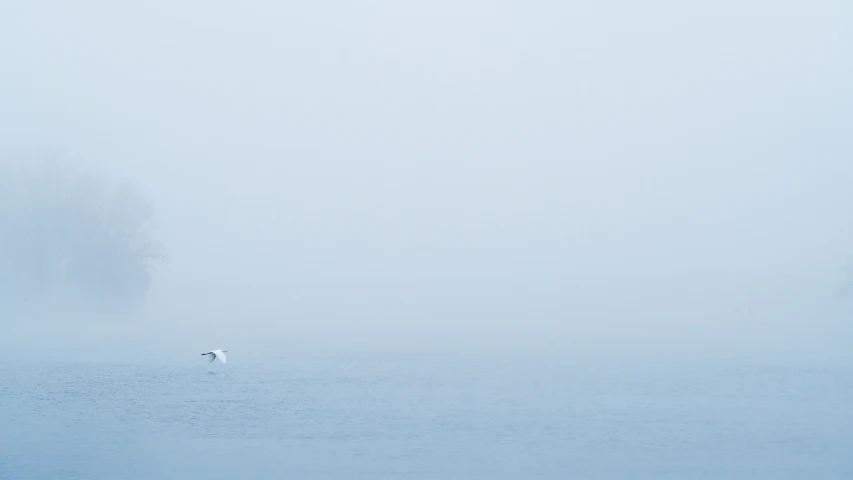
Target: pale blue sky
<point x="461" y="171"/>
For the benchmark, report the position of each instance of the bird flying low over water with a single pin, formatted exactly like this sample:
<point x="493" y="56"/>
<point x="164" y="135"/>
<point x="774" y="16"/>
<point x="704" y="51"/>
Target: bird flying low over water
<point x="214" y="354"/>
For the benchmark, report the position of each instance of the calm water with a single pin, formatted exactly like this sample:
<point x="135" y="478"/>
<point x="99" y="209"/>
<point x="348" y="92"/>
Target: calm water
<point x="424" y="418"/>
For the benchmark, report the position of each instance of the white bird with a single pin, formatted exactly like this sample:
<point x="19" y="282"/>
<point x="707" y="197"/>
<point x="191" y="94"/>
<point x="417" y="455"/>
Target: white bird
<point x="214" y="354"/>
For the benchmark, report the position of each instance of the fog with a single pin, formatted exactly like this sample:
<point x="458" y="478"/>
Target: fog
<point x="617" y="179"/>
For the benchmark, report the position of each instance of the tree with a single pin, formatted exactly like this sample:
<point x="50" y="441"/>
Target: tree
<point x="74" y="235"/>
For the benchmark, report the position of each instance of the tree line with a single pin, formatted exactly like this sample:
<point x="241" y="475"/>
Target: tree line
<point x="73" y="234"/>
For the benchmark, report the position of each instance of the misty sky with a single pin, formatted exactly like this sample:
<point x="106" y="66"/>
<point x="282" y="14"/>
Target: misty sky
<point x="450" y="171"/>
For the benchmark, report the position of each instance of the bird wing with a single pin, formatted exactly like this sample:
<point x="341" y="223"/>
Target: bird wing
<point x="211" y="357"/>
<point x="218" y="353"/>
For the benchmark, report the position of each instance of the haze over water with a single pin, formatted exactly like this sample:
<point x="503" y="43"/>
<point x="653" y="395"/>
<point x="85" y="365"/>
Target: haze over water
<point x="441" y="240"/>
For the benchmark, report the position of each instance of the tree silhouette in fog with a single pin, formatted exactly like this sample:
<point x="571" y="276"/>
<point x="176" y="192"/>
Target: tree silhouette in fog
<point x="75" y="235"/>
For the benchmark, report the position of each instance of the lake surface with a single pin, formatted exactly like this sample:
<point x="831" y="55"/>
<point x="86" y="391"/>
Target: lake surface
<point x="419" y="417"/>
